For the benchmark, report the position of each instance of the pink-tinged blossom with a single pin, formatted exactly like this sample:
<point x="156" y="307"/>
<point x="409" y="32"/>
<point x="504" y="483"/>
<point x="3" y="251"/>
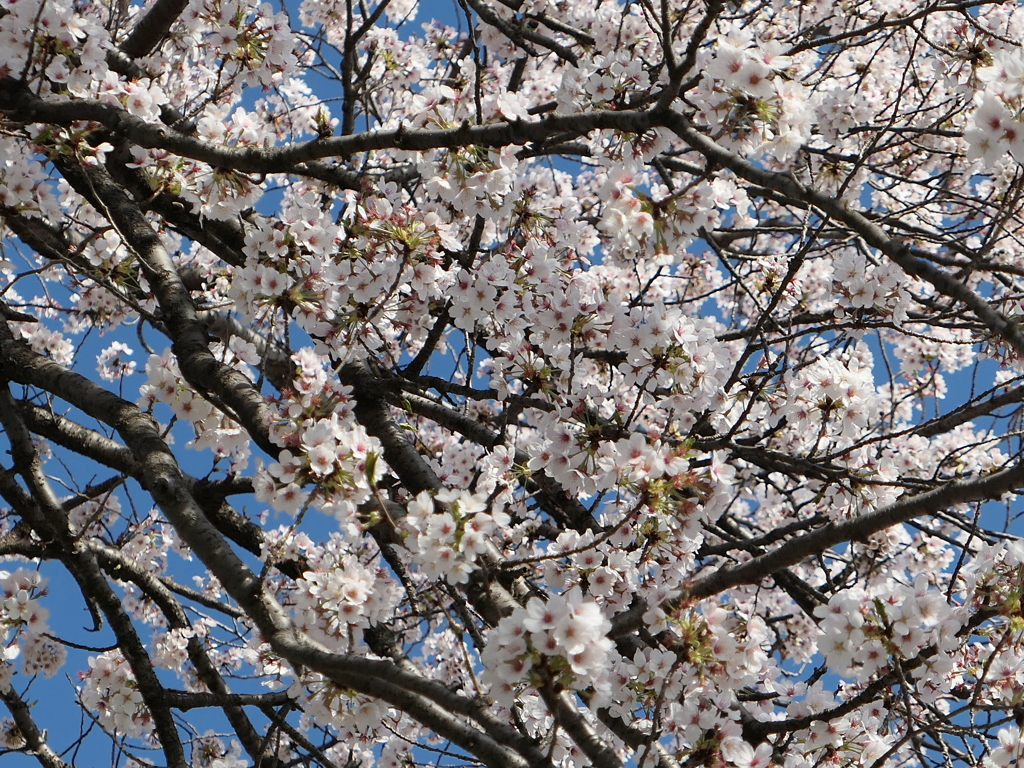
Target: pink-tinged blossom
<point x="740" y="754"/>
<point x="113" y="362"/>
<point x="111" y="693"/>
<point x="11" y="736"/>
<point x="19" y="602"/>
<point x="1009" y="751"/>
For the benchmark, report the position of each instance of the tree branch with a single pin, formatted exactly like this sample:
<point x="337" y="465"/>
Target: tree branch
<point x="151" y="30"/>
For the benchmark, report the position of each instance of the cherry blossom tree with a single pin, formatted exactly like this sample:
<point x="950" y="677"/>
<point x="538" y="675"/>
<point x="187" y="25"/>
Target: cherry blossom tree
<point x="562" y="383"/>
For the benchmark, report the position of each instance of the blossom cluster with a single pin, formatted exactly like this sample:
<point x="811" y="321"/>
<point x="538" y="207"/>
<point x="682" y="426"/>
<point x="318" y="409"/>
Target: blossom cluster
<point x="324" y="274"/>
<point x="20" y="593"/>
<point x="41" y="655"/>
<point x="332" y="605"/>
<point x="474" y="182"/>
<point x="995" y="129"/>
<point x="859" y="634"/>
<point x="561" y="639"/>
<point x="865" y="286"/>
<point x="109" y="690"/>
<point x="254" y="41"/>
<point x="449" y="531"/>
<point x="321" y="447"/>
<point x="832" y="401"/>
<point x="55" y="42"/>
<point x="353" y="717"/>
<point x="658" y="223"/>
<point x="746" y="96"/>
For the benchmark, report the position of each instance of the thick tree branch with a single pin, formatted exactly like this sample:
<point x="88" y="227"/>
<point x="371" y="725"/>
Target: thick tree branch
<point x="186" y="700"/>
<point x="520" y="34"/>
<point x="188" y="334"/>
<point x="209" y="494"/>
<point x="21" y="105"/>
<point x="151" y="30"/>
<point x="44" y="512"/>
<point x="992" y="486"/>
<point x="35" y="739"/>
